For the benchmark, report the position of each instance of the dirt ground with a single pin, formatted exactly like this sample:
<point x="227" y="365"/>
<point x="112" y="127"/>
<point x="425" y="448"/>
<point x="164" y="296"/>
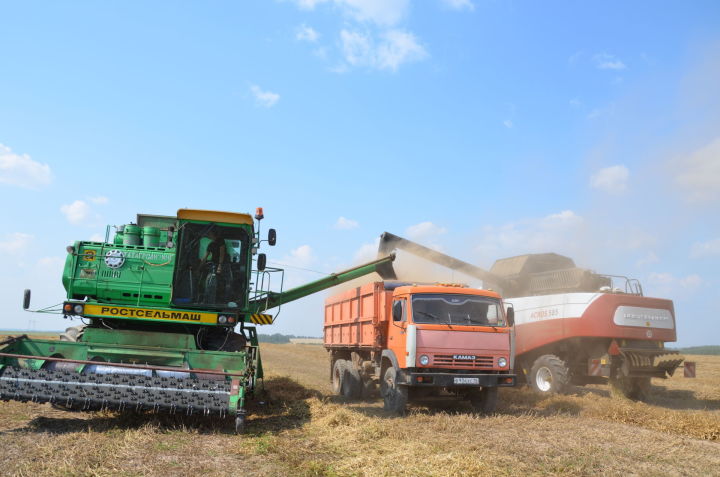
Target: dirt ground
<point x="299" y="428"/>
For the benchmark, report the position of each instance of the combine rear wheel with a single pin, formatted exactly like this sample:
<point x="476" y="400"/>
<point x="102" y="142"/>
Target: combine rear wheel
<point x="549" y="374"/>
<point x="637" y="388"/>
<point x="395" y="396"/>
<point x="485" y="400"/>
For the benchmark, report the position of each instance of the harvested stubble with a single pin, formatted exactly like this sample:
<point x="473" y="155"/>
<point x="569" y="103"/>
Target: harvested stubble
<point x="302" y="430"/>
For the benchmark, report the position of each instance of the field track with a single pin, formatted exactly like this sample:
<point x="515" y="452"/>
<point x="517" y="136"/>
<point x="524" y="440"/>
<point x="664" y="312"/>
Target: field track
<point x="300" y="429"/>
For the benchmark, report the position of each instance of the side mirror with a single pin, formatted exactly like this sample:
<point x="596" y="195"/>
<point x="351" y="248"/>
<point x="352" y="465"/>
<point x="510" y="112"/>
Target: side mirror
<point x="272" y="237"/>
<point x="511" y="316"/>
<point x="261" y="262"/>
<point x="397" y="311"/>
<point x="26" y="299"/>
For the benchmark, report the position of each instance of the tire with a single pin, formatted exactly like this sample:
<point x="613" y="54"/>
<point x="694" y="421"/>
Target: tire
<point x="485" y="400"/>
<point x="351" y="387"/>
<point x="338" y="374"/>
<point x="549" y="374"/>
<point x="395" y="396"/>
<point x="240" y="424"/>
<point x="636" y="388"/>
<point x="369" y="389"/>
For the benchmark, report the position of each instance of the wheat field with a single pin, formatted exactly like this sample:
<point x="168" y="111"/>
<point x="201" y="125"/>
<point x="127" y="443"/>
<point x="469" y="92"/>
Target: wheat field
<point x="299" y="429"/>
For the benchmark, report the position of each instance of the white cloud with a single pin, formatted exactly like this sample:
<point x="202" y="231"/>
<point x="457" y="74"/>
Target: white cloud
<point x="77" y="212"/>
<point x="699" y="174"/>
<point x="705" y="249"/>
<point x="51" y="266"/>
<point x="97" y="238"/>
<point x="575" y="103"/>
<point x="367" y="252"/>
<point x="424" y="231"/>
<point x="266" y="99"/>
<point x="398" y="47"/>
<point x="381" y="12"/>
<point x="459" y="4"/>
<point x="15" y="242"/>
<point x="611" y="179"/>
<point x="99" y="200"/>
<point x="691" y="281"/>
<point x="647" y="259"/>
<point x="306" y="33"/>
<point x="357" y="48"/>
<point x="300" y="257"/>
<point x="565" y="216"/>
<point x="562" y="232"/>
<point x="605" y="61"/>
<point x="346" y="224"/>
<point x="20" y="170"/>
<point x="394" y="48"/>
<point x="667" y="284"/>
<point x="508" y="123"/>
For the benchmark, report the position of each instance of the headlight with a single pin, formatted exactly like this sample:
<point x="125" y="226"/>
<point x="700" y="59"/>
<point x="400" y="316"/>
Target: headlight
<point x="78" y="309"/>
<point x="222" y="319"/>
<point x="424" y="360"/>
<point x="502" y="362"/>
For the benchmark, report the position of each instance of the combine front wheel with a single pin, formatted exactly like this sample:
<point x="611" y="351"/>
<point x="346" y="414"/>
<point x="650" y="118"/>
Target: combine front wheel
<point x="240" y="424"/>
<point x="549" y="374"/>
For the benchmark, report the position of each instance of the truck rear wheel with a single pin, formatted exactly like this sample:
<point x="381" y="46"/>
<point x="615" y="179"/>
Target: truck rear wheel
<point x="549" y="374"/>
<point x="394" y="395"/>
<point x="485" y="400"/>
<point x="338" y="374"/>
<point x="351" y="387"/>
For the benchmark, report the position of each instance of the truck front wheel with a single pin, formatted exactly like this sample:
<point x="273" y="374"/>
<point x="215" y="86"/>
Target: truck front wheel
<point x="394" y="395"/>
<point x="485" y="400"/>
<point x="549" y="374"/>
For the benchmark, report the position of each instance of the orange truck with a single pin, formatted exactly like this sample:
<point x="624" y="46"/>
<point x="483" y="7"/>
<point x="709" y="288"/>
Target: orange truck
<point x="418" y="341"/>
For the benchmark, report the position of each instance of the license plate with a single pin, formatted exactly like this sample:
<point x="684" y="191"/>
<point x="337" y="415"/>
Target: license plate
<point x="466" y="380"/>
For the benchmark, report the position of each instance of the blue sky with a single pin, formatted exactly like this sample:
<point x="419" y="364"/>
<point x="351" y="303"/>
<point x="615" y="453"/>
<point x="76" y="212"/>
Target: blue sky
<point x="485" y="129"/>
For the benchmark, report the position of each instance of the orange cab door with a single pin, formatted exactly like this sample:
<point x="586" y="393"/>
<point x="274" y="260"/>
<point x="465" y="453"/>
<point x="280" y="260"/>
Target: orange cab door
<point x="397" y="330"/>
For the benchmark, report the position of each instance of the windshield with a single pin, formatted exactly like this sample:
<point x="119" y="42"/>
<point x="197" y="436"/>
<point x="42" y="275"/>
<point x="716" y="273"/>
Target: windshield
<point x="465" y="310"/>
<point x="211" y="267"/>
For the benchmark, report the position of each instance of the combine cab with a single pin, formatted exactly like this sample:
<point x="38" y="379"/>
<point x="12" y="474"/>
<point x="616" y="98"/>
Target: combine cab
<point x="169" y="306"/>
<point x="573" y="325"/>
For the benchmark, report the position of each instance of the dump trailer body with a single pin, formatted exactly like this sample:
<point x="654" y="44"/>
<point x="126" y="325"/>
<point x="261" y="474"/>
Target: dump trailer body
<point x="429" y="337"/>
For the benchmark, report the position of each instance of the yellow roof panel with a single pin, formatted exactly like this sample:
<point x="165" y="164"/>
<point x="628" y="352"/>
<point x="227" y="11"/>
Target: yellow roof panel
<point x="215" y="216"/>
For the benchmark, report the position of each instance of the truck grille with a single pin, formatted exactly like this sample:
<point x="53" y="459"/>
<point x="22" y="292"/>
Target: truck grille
<point x="449" y="361"/>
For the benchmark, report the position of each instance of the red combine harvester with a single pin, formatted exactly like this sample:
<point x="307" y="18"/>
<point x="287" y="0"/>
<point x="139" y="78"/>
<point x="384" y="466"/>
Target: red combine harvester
<point x="573" y="326"/>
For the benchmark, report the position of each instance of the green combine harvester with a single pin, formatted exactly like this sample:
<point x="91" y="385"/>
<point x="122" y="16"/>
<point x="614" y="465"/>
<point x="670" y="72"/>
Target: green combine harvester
<point x="168" y="307"/>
